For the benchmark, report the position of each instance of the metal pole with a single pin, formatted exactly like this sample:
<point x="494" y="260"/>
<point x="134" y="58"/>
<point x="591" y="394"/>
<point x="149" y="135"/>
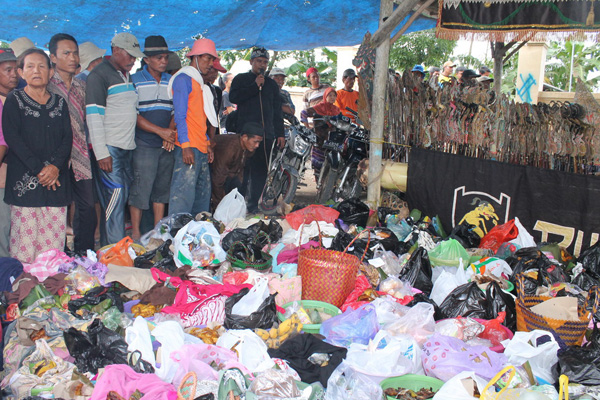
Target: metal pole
<point x="571" y="69"/>
<point x="382" y="59"/>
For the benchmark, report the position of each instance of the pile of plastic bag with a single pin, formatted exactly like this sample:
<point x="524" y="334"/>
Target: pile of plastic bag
<point x="209" y="309"/>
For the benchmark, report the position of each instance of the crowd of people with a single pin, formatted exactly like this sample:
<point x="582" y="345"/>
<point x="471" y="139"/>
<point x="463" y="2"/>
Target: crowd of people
<point x="450" y="73"/>
<point x="80" y="130"/>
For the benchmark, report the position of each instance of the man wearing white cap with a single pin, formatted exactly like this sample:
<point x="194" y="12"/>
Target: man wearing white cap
<point x="287" y="106"/>
<point x="111" y="115"/>
<point x="89" y="56"/>
<point x="194" y="113"/>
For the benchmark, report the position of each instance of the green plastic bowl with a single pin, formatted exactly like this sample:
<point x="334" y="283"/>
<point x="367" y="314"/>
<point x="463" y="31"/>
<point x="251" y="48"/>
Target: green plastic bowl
<point x="311" y="304"/>
<point x="412" y="382"/>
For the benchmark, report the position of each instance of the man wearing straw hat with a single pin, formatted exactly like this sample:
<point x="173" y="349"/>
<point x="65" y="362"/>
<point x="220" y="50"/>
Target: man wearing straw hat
<point x="194" y="113"/>
<point x="89" y="56"/>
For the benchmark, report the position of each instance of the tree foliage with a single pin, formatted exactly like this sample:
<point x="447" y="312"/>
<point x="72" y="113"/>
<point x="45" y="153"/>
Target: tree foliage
<point x="304" y="59"/>
<point x="420" y="48"/>
<point x="586" y="60"/>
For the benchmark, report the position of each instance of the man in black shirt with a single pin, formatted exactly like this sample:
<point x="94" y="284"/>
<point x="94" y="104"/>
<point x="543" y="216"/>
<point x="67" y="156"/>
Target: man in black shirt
<point x="257" y="98"/>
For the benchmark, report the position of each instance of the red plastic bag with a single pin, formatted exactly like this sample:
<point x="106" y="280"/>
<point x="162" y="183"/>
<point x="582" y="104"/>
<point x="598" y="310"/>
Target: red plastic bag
<point x="235" y="277"/>
<point x="312" y="213"/>
<point x="494" y="330"/>
<point x="118" y="254"/>
<point x="498" y="235"/>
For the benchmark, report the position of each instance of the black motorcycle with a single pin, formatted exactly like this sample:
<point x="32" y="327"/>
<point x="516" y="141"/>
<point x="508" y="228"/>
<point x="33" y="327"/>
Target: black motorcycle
<point x="286" y="169"/>
<point x="344" y="148"/>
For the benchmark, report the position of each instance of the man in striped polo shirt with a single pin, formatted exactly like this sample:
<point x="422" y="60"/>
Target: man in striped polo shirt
<point x="111" y="113"/>
<point x="154" y="135"/>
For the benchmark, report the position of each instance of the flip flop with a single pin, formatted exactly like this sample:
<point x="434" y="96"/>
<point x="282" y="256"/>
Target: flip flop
<point x="187" y="387"/>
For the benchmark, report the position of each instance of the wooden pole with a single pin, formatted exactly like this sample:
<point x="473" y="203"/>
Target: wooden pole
<point x="412" y="19"/>
<point x="387" y="25"/>
<point x="382" y="58"/>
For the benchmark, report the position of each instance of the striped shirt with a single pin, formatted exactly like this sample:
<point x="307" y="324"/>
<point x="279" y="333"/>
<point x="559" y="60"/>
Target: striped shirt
<point x="111" y="112"/>
<point x="75" y="96"/>
<point x="153" y="104"/>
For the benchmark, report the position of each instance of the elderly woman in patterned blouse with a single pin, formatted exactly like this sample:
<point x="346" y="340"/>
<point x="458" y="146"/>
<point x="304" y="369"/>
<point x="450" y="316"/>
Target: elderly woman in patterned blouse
<point x="37" y="129"/>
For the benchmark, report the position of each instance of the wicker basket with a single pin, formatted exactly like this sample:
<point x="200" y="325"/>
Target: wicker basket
<point x="328" y="275"/>
<point x="569" y="333"/>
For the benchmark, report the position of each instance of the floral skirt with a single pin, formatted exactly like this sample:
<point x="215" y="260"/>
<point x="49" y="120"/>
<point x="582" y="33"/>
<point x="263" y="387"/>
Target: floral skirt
<point x="35" y="230"/>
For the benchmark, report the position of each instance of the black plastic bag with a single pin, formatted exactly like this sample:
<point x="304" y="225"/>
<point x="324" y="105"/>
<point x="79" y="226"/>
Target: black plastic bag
<point x="161" y="257"/>
<point x="465" y="235"/>
<point x="178" y="221"/>
<point x="94" y="297"/>
<point x="247" y="235"/>
<point x="297" y="350"/>
<point x="586" y="280"/>
<point x="465" y="301"/>
<point x="254" y="255"/>
<point x="582" y="364"/>
<point x="96" y="348"/>
<point x="422" y="298"/>
<point x="497" y="301"/>
<point x="531" y="258"/>
<point x="418" y="271"/>
<point x="353" y="211"/>
<point x="263" y="318"/>
<point x="590" y="258"/>
<point x="386" y="238"/>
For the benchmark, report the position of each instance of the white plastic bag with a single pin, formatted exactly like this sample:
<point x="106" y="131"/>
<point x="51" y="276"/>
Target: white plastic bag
<point x="232" y="206"/>
<point x="251" y="349"/>
<point x="416" y="321"/>
<point x="196" y="231"/>
<point x="171" y="337"/>
<point x="138" y="338"/>
<point x="345" y="383"/>
<point x="253" y="299"/>
<point x="522" y="347"/>
<point x="455" y="388"/>
<point x="399" y="355"/>
<point x="523" y="239"/>
<point x="446" y="283"/>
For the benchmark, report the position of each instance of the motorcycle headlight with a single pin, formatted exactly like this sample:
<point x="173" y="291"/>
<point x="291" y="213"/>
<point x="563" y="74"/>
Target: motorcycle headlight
<point x="300" y="146"/>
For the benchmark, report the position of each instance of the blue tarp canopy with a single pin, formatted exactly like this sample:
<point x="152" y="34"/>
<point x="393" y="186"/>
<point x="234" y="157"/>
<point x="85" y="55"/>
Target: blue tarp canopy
<point x="232" y="24"/>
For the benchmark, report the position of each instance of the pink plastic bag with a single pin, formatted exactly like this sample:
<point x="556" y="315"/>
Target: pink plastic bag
<point x="445" y="356"/>
<point x="315" y="212"/>
<point x="47" y="264"/>
<point x="199" y="357"/>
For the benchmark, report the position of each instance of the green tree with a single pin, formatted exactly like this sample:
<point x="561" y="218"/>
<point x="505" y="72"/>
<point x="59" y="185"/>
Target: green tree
<point x="420" y="48"/>
<point x="304" y="59"/>
<point x="586" y="60"/>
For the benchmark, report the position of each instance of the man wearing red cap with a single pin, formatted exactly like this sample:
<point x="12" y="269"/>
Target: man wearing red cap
<point x="314" y="95"/>
<point x="190" y="186"/>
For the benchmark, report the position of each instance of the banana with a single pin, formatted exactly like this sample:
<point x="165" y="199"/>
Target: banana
<point x="273" y="333"/>
<point x="285" y="327"/>
<point x="263" y="334"/>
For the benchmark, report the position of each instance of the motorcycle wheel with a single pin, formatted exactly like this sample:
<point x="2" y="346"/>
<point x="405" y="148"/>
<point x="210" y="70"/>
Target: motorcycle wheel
<point x="270" y="198"/>
<point x="328" y="183"/>
<point x="352" y="187"/>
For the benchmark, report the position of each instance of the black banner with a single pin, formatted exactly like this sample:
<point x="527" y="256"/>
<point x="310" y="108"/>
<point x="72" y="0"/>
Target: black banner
<point x="553" y="206"/>
<point x="516" y="19"/>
